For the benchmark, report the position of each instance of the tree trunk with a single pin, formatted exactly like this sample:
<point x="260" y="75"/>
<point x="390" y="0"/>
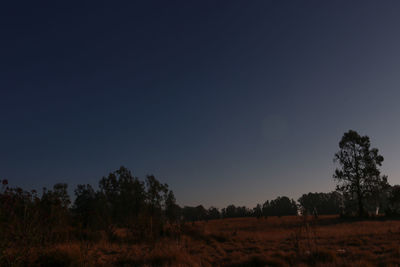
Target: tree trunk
<point x="359" y="197"/>
<point x="360" y="202"/>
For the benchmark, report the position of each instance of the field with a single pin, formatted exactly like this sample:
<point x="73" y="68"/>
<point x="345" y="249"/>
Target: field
<point x="273" y="241"/>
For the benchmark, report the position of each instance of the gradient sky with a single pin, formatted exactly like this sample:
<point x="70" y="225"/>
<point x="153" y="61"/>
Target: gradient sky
<point x="226" y="101"/>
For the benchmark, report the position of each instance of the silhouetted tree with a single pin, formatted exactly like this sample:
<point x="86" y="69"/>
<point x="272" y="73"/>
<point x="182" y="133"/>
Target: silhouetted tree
<point x="377" y="199"/>
<point x="87" y="206"/>
<point x="156" y="194"/>
<point x="243" y="211"/>
<point x="122" y="200"/>
<point x="194" y="213"/>
<point x="321" y="203"/>
<point x="172" y="210"/>
<point x="280" y="206"/>
<point x="201" y="212"/>
<point x="54" y="211"/>
<point x="213" y="213"/>
<point x="257" y="211"/>
<point x="393" y="207"/>
<point x="231" y="211"/>
<point x="21" y="223"/>
<point x="142" y="207"/>
<point x="358" y="176"/>
<point x="124" y="196"/>
<point x="265" y="208"/>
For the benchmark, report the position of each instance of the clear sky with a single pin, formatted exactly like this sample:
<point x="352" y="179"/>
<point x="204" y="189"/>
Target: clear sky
<point x="226" y="101"/>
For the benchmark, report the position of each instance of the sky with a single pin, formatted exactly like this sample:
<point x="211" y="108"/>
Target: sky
<point x="229" y="102"/>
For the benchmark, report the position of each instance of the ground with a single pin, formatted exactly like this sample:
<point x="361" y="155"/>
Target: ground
<point x="273" y="241"/>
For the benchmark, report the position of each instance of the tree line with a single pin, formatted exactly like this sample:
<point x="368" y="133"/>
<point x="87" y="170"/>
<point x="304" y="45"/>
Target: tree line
<point x="144" y="208"/>
<point x="361" y="188"/>
<point x="314" y="204"/>
<point x="147" y="208"/>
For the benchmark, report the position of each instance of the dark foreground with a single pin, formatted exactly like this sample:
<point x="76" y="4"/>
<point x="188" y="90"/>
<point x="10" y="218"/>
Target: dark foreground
<point x="285" y="241"/>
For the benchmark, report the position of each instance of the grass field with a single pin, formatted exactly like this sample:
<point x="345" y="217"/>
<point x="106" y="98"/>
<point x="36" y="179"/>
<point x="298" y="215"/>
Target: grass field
<point x="285" y="241"/>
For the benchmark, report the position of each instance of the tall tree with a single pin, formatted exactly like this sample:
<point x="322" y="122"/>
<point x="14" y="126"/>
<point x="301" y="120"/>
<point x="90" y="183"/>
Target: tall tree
<point x="358" y="175"/>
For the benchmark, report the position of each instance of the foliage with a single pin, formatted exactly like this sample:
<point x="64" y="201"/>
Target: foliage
<point x="280" y="206"/>
<point x="257" y="211"/>
<point x="232" y="211"/>
<point x="123" y="197"/>
<point x="393" y="207"/>
<point x="125" y="201"/>
<point x="358" y="176"/>
<point x="213" y="213"/>
<point x="321" y="203"/>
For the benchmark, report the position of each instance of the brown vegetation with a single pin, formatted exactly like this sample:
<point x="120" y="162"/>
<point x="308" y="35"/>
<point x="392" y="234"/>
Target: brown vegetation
<point x="284" y="241"/>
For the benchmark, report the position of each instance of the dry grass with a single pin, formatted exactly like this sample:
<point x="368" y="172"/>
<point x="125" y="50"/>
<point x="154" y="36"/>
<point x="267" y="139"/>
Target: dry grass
<point x="286" y="241"/>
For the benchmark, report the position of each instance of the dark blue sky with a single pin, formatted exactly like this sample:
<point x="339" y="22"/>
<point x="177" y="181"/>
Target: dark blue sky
<point x="226" y="101"/>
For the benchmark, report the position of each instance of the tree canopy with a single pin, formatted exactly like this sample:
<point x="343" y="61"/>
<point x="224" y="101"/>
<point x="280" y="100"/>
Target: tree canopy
<point x="358" y="177"/>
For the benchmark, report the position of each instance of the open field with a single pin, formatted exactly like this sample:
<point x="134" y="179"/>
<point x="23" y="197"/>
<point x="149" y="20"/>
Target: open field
<point x="285" y="241"/>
